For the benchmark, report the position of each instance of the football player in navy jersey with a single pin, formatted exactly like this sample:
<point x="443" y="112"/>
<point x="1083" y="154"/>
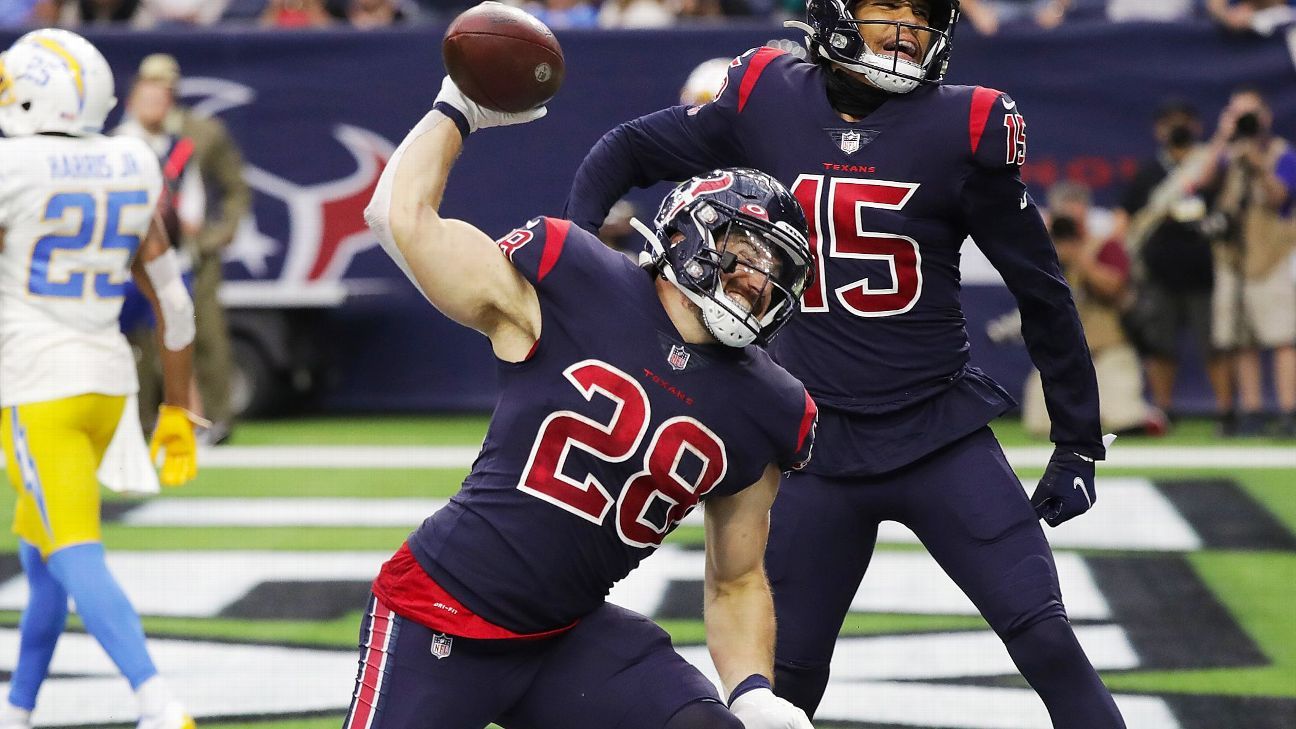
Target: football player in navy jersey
<point x="894" y="170"/>
<point x="628" y="395"/>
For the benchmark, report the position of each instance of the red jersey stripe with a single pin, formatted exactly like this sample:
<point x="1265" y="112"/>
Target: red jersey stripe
<point x="555" y="236"/>
<point x="982" y="101"/>
<point x="755" y="67"/>
<point x="807" y="421"/>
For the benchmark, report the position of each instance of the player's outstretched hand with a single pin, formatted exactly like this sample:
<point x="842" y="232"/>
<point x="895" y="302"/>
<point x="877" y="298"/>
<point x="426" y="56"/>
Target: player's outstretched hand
<point x="478" y="116"/>
<point x="761" y="709"/>
<point x="174" y="434"/>
<point x="1067" y="488"/>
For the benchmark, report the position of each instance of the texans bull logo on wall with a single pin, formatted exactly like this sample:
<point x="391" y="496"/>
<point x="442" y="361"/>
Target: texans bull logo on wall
<point x="325" y="220"/>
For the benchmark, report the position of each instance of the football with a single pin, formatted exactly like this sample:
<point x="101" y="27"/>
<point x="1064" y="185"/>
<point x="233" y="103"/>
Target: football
<point x="503" y="58"/>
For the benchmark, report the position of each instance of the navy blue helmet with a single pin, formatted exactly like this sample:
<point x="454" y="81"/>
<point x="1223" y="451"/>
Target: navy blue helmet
<point x="833" y="36"/>
<point x="726" y="221"/>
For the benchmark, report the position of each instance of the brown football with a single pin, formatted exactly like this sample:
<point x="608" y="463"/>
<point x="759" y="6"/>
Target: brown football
<point x="503" y="58"/>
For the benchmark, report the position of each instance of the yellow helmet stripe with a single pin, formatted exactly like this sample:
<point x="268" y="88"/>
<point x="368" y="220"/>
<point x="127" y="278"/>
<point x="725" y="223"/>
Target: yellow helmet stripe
<point x="78" y="74"/>
<point x="6" y="85"/>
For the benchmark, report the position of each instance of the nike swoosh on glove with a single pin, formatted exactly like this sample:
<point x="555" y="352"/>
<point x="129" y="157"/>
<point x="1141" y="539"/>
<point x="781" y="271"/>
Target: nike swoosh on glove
<point x="1066" y="489"/>
<point x="478" y="116"/>
<point x="174" y="434"/>
<point x="761" y="709"/>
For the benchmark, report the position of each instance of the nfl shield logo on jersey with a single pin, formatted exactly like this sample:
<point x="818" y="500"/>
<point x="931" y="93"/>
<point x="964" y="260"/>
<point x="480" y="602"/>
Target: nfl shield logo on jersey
<point x="678" y="357"/>
<point x="441" y="644"/>
<point x="850" y="142"/>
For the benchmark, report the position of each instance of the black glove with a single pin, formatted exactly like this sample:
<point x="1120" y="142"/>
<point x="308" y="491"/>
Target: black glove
<point x="1067" y="488"/>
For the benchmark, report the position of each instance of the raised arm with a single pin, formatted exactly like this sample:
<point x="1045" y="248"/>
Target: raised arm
<point x="456" y="266"/>
<point x="739" y="610"/>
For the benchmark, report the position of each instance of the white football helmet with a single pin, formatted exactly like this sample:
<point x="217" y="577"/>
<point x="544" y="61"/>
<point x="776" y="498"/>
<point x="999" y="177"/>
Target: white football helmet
<point x="54" y="80"/>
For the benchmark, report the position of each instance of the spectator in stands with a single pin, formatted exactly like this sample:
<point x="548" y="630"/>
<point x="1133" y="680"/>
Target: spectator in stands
<point x="1159" y="220"/>
<point x="1098" y="272"/>
<point x="93" y="12"/>
<point x="1260" y="16"/>
<point x="179" y="13"/>
<point x="1120" y="11"/>
<point x="559" y="14"/>
<point x="1254" y="233"/>
<point x="365" y="14"/>
<point x="988" y="16"/>
<point x="635" y="14"/>
<point x="28" y="13"/>
<point x="296" y="14"/>
<point x="204" y="174"/>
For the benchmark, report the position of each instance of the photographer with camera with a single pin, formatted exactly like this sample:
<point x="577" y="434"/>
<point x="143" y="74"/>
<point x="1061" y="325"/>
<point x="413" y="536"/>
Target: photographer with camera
<point x="1098" y="272"/>
<point x="1159" y="219"/>
<point x="1253" y="233"/>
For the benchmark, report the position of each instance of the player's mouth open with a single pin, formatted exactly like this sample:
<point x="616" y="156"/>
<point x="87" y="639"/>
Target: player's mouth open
<point x="903" y="49"/>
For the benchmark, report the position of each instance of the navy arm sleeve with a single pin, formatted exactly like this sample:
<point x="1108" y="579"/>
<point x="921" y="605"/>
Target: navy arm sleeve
<point x="1007" y="227"/>
<point x="664" y="145"/>
<point x="672" y="144"/>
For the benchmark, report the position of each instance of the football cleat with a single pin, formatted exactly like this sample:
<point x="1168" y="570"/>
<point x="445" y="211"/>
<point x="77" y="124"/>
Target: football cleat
<point x="173" y="716"/>
<point x="12" y="717"/>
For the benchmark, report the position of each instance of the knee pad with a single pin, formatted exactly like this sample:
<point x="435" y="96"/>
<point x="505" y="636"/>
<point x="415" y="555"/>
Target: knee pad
<point x="1029" y="594"/>
<point x="704" y="715"/>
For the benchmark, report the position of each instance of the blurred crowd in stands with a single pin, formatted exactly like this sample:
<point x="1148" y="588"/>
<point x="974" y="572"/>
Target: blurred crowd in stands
<point x="984" y="16"/>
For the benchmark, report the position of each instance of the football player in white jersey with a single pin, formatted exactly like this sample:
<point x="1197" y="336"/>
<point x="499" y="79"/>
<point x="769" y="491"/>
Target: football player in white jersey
<point x="77" y="216"/>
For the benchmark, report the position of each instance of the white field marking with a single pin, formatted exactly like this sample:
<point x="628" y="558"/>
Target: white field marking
<point x="864" y="671"/>
<point x="1131" y="514"/>
<point x="897" y="582"/>
<point x="1033" y="457"/>
<point x="202" y="584"/>
<point x="213" y="679"/>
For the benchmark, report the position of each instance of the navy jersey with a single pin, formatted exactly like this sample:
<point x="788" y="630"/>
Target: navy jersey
<point x="881" y="339"/>
<point x="602" y="440"/>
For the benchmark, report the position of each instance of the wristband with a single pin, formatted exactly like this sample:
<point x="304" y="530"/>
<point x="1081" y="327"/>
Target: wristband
<point x="455" y="116"/>
<point x="751" y="683"/>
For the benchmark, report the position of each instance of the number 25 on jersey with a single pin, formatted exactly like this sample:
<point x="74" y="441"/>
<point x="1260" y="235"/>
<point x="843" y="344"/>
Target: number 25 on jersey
<point x="90" y="237"/>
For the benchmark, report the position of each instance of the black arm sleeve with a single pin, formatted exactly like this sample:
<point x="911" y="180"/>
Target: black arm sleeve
<point x="1014" y="239"/>
<point x="670" y="144"/>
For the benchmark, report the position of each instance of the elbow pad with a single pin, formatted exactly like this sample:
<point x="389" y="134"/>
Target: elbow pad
<point x="173" y="300"/>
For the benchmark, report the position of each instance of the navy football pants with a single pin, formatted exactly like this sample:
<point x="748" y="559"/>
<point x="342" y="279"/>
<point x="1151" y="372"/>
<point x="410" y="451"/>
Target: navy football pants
<point x="969" y="510"/>
<point x="615" y="669"/>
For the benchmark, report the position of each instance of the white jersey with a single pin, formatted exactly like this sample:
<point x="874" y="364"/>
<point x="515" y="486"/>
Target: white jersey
<point x="73" y="212"/>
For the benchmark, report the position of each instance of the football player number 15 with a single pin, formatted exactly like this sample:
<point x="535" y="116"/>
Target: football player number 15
<point x="840" y="201"/>
<point x="618" y="440"/>
<point x="83" y="206"/>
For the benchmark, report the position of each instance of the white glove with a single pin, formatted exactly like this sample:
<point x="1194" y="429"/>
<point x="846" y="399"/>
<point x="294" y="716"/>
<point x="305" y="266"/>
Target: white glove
<point x="761" y="709"/>
<point x="478" y="116"/>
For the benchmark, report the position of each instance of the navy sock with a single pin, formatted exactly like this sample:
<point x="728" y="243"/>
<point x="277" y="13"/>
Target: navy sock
<point x="1053" y="663"/>
<point x="802" y="687"/>
<point x="104" y="609"/>
<point x="42" y="623"/>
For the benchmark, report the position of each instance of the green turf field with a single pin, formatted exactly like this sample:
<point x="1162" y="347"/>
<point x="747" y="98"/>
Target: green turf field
<point x="1256" y="587"/>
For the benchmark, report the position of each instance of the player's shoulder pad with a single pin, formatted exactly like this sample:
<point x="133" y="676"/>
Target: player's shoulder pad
<point x="745" y="71"/>
<point x="996" y="129"/>
<point x="792" y="414"/>
<point x="546" y="247"/>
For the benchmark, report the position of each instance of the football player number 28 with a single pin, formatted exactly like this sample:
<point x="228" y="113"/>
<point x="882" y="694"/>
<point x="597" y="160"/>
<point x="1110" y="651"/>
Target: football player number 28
<point x="615" y="441"/>
<point x="83" y="209"/>
<point x="843" y="237"/>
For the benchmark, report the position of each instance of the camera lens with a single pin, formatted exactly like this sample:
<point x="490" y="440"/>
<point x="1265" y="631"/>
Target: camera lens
<point x="1248" y="125"/>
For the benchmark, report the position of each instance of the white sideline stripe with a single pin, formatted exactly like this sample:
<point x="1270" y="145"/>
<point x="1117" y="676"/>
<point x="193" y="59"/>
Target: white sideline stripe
<point x="1131" y="514"/>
